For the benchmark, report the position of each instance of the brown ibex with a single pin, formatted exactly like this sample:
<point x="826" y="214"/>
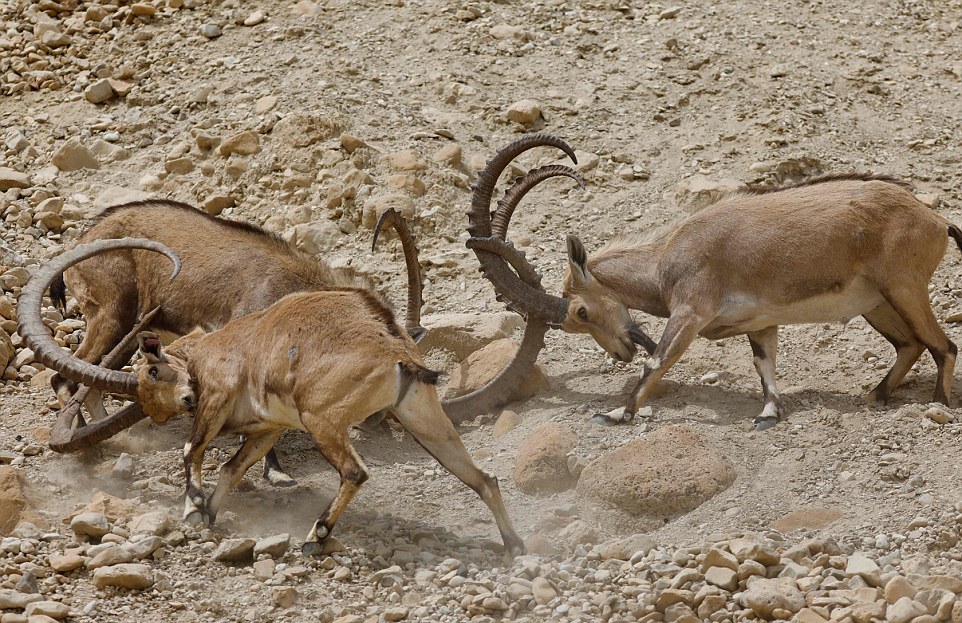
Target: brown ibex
<point x="824" y="250"/>
<point x="230" y="269"/>
<point x="319" y="362"/>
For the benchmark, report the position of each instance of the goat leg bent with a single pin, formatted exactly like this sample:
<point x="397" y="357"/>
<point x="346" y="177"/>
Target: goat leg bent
<point x="421" y="415"/>
<point x="908" y="349"/>
<point x="339" y="452"/>
<point x="681" y="330"/>
<point x="251" y="451"/>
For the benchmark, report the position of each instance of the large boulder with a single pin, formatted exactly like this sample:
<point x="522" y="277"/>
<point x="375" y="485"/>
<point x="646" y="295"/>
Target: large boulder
<point x="463" y="334"/>
<point x="653" y="479"/>
<point x="482" y="366"/>
<point x="542" y="465"/>
<point x="13" y="501"/>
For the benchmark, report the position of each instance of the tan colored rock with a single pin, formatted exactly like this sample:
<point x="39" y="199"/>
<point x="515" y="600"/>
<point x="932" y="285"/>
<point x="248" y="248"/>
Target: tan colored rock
<point x="406" y="160"/>
<point x="155" y="522"/>
<point x="131" y="575"/>
<point x="543" y="590"/>
<point x="722" y="577"/>
<point x="524" y="112"/>
<point x="463" y="334"/>
<point x="283" y="596"/>
<point x="483" y="365"/>
<point x="265" y="104"/>
<point x="90" y="524"/>
<point x="903" y="611"/>
<point x="646" y="482"/>
<point x="765" y="596"/>
<point x="542" y="463"/>
<point x="506" y="422"/>
<point x="10" y="178"/>
<point x="866" y="568"/>
<point x="408" y="183"/>
<point x="376" y="206"/>
<point x="719" y="558"/>
<point x="13" y="500"/>
<point x="700" y="192"/>
<point x="97" y="93"/>
<point x="897" y="588"/>
<point x="245" y="143"/>
<point x="66" y="563"/>
<point x="53" y="609"/>
<point x="113" y="508"/>
<point x="215" y="204"/>
<point x="73" y="156"/>
<point x="234" y="550"/>
<point x="814" y="518"/>
<point x="450" y="155"/>
<point x="7" y="351"/>
<point x="303" y="129"/>
<point x="15" y="600"/>
<point x="113" y="555"/>
<point x="626" y="547"/>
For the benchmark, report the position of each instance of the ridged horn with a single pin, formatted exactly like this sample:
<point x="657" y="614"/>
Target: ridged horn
<point x="528" y="299"/>
<point x="392" y="217"/>
<point x="36" y="336"/>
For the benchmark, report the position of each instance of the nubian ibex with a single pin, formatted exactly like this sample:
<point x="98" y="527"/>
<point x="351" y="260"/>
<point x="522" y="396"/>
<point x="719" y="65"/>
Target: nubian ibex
<point x="230" y="269"/>
<point x="318" y="362"/>
<point x="824" y="250"/>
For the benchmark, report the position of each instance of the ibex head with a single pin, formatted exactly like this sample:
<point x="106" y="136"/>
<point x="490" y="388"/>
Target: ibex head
<point x="587" y="306"/>
<point x="164" y="387"/>
<point x="595" y="309"/>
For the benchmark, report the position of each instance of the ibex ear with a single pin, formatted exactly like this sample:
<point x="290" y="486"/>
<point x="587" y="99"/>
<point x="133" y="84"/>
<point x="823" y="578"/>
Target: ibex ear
<point x="578" y="261"/>
<point x="151" y="347"/>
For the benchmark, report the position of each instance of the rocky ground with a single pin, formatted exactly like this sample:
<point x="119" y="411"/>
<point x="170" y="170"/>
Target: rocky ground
<point x="310" y="117"/>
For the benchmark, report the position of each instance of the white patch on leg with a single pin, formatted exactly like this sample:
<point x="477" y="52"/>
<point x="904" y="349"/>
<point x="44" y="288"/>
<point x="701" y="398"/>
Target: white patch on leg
<point x="189" y="507"/>
<point x="652" y="364"/>
<point x="186" y="449"/>
<point x="616" y="415"/>
<point x="769" y="412"/>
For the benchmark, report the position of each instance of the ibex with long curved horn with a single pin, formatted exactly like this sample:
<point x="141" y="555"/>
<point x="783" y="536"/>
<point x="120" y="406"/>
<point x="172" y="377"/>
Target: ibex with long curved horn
<point x="319" y="362"/>
<point x="825" y="250"/>
<point x="230" y="269"/>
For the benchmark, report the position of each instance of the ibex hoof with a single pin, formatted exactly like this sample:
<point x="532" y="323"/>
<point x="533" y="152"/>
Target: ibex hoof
<point x="278" y="478"/>
<point x="617" y="416"/>
<point x="765" y="423"/>
<point x="195" y="518"/>
<point x="312" y="548"/>
<point x="603" y="419"/>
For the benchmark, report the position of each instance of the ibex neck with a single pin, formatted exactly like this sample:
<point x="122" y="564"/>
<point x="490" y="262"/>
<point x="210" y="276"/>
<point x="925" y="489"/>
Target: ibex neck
<point x="632" y="273"/>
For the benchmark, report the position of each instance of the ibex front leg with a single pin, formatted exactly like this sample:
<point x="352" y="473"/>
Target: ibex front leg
<point x="211" y="414"/>
<point x="682" y="328"/>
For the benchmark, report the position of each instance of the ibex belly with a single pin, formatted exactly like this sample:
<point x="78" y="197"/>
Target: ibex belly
<point x="251" y="414"/>
<point x="746" y="312"/>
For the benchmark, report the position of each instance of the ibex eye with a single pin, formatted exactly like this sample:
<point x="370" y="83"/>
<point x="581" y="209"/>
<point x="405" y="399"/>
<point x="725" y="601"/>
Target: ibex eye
<point x="583" y="313"/>
<point x="153" y="372"/>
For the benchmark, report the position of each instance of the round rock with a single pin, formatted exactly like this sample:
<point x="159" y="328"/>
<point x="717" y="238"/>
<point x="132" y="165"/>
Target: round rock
<point x="650" y="480"/>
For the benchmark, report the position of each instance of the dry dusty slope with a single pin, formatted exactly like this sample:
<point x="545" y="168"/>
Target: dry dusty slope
<point x="660" y="99"/>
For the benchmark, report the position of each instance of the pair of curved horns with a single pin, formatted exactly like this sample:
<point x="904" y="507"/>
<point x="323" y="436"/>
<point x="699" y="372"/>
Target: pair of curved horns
<point x="36" y="336"/>
<point x="526" y="297"/>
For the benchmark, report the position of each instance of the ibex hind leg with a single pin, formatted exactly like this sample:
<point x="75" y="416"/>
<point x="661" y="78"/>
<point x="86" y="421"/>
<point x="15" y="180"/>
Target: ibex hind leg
<point x="421" y="415"/>
<point x="913" y="306"/>
<point x="251" y="451"/>
<point x="908" y="349"/>
<point x="338" y="451"/>
<point x="274" y="473"/>
<point x="764" y="347"/>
